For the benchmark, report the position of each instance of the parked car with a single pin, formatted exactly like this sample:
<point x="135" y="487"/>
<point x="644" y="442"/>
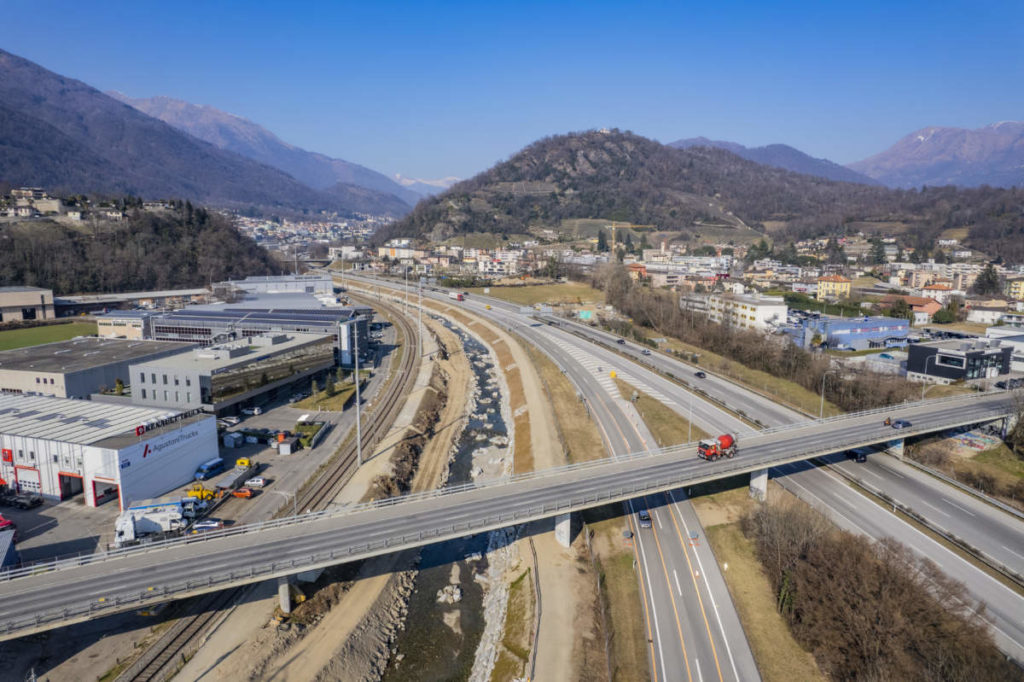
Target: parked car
<point x="256" y="482"/>
<point x="231" y="421"/>
<point x="243" y="492"/>
<point x="207" y="524"/>
<point x="645" y="518"/>
<point x="253" y="411"/>
<point x="700" y="375"/>
<point x="900" y="424"/>
<point x="27" y="501"/>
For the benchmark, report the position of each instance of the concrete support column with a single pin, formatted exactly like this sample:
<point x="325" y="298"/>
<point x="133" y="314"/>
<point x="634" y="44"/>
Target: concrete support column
<point x="895" y="448"/>
<point x="284" y="595"/>
<point x="759" y="484"/>
<point x="564" y="529"/>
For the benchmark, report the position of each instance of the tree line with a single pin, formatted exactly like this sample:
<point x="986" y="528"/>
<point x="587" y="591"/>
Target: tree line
<point x="776" y="355"/>
<point x="186" y="246"/>
<point x="870" y="610"/>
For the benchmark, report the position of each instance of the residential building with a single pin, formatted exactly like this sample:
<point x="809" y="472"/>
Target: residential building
<point x="25" y="303"/>
<point x="985" y="314"/>
<point x="958" y="360"/>
<point x="744" y="311"/>
<point x="832" y="287"/>
<point x="60" y="448"/>
<point x="77" y="368"/>
<point x="1015" y="288"/>
<point x="225" y="377"/>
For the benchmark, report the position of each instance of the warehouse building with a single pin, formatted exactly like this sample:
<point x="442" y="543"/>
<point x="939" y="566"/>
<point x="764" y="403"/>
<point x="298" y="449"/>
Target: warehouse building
<point x="225" y="377"/>
<point x="61" y="448"/>
<point x="25" y="303"/>
<point x="316" y="285"/>
<point x="77" y="368"/>
<point x="126" y="324"/>
<point x="944" y="362"/>
<point x="210" y="325"/>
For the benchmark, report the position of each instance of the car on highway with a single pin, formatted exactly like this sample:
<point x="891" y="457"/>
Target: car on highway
<point x="621" y="342"/>
<point x="700" y="375"/>
<point x="645" y="518"/>
<point x="256" y="482"/>
<point x="900" y="424"/>
<point x="645" y="351"/>
<point x="245" y="493"/>
<point x="207" y="524"/>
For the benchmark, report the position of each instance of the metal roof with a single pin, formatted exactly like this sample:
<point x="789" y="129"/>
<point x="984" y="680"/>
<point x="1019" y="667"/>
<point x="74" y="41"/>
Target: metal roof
<point x="208" y="360"/>
<point x="71" y="421"/>
<point x="84" y="353"/>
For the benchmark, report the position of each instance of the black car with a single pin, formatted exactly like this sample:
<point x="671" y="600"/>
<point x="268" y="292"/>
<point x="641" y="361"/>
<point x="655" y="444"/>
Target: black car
<point x="700" y="375"/>
<point x="621" y="342"/>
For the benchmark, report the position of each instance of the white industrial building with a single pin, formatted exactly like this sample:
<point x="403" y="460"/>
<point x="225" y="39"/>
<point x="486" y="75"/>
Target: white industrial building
<point x="59" y="448"/>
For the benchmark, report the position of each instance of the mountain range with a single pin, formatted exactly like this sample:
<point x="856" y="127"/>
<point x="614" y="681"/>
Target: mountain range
<point x="242" y="136"/>
<point x="62" y="134"/>
<point x="781" y="156"/>
<point x="935" y="156"/>
<point x="618" y="176"/>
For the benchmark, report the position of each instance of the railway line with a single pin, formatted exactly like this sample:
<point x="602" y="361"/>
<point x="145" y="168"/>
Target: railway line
<point x="163" y="658"/>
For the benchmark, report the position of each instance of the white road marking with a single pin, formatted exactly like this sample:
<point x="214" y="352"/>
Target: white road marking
<point x="658" y="519"/>
<point x="650" y="591"/>
<point x="965" y="511"/>
<point x="678" y="588"/>
<point x="1011" y="551"/>
<point x="935" y="508"/>
<point x="696" y="664"/>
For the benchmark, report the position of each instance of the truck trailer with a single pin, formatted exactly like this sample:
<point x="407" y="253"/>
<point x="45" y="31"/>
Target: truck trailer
<point x="456" y="296"/>
<point x="713" y="448"/>
<point x="244" y="469"/>
<point x="151" y="520"/>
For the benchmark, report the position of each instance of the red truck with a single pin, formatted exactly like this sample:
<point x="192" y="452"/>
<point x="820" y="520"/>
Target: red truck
<point x="713" y="448"/>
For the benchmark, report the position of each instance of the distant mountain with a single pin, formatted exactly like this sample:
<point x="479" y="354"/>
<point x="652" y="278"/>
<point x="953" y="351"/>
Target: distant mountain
<point x="619" y="176"/>
<point x="993" y="155"/>
<point x="426" y="188"/>
<point x="781" y="156"/>
<point x="61" y="134"/>
<point x="244" y="137"/>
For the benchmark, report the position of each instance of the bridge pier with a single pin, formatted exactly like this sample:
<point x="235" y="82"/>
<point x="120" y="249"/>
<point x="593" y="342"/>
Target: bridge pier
<point x="564" y="529"/>
<point x="284" y="595"/>
<point x="759" y="484"/>
<point x="895" y="448"/>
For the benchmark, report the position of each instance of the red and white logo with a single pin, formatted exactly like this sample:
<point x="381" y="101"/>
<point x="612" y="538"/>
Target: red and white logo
<point x="145" y="450"/>
<point x="139" y="430"/>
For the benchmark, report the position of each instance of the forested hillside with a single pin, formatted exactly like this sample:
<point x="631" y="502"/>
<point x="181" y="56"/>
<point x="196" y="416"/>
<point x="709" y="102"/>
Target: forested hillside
<point x="184" y="247"/>
<point x="620" y="176"/>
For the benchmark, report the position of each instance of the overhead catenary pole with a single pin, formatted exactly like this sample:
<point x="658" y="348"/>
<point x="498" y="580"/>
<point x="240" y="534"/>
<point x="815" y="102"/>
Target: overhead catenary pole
<point x="359" y="428"/>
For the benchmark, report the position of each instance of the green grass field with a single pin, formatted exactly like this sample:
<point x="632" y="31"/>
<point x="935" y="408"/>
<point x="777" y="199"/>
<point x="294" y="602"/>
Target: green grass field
<point x="34" y="336"/>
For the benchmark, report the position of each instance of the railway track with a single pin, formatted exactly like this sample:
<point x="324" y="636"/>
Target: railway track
<point x="162" y="659"/>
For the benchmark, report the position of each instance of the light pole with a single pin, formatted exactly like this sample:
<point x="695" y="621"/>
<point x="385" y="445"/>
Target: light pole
<point x="419" y="332"/>
<point x="821" y="410"/>
<point x="359" y="426"/>
<point x="925" y="380"/>
<point x="689" y="426"/>
<point x="287" y="494"/>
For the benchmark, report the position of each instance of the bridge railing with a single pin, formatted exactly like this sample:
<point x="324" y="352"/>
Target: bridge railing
<point x="335" y="511"/>
<point x="254" y="572"/>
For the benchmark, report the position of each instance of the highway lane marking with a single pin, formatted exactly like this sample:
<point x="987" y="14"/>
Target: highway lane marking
<point x="675" y="609"/>
<point x="700" y="676"/>
<point x="658" y="519"/>
<point x="714" y="605"/>
<point x="696" y="588"/>
<point x="638" y="550"/>
<point x="935" y="508"/>
<point x="678" y="588"/>
<point x="1011" y="551"/>
<point x="965" y="511"/>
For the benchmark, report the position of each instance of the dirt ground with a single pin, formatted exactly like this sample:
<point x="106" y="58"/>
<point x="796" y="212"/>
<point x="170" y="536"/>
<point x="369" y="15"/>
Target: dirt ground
<point x="368" y="605"/>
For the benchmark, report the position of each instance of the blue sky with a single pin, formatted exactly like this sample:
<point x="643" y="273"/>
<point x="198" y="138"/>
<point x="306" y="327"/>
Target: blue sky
<point x="446" y="88"/>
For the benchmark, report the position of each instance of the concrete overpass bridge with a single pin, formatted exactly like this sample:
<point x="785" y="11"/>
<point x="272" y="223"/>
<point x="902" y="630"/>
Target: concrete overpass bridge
<point x="52" y="594"/>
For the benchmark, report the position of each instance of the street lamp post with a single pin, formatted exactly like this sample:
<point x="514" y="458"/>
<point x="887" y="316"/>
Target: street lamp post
<point x="925" y="381"/>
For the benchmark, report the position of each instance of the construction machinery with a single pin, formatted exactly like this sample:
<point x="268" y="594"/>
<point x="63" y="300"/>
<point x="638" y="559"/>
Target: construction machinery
<point x="712" y="449"/>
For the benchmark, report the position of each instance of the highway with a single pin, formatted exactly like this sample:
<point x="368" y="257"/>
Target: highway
<point x="44" y="596"/>
<point x="997" y="534"/>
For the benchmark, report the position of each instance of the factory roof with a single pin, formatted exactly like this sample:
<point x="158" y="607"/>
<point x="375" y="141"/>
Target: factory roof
<point x="83" y="422"/>
<point x="244" y="351"/>
<point x="269" y="315"/>
<point x="82" y="353"/>
<point x="965" y="345"/>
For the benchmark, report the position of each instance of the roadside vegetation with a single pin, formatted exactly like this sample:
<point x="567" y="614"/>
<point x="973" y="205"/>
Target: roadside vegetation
<point x="869" y="610"/>
<point x="573" y="293"/>
<point x="667" y="427"/>
<point x="34" y="336"/>
<point x="997" y="471"/>
<point x="517" y="640"/>
<point x="779" y="357"/>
